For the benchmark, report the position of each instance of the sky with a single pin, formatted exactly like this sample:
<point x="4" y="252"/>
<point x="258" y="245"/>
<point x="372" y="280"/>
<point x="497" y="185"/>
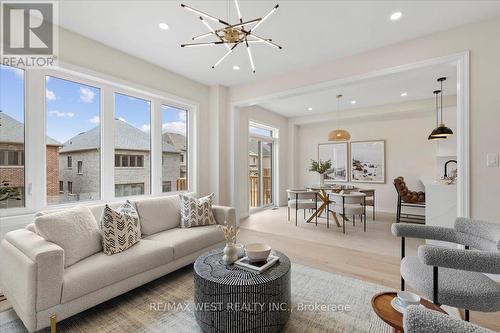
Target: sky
<point x="73" y="108"/>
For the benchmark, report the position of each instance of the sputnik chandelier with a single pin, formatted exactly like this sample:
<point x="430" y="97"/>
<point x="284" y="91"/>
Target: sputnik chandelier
<point x="232" y="35"/>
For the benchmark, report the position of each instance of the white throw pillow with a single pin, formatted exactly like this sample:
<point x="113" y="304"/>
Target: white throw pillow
<point x="196" y="212"/>
<point x="120" y="228"/>
<point x="75" y="230"/>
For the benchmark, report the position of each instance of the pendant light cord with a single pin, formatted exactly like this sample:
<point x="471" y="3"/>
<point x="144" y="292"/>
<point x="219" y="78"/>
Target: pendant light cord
<point x="441" y="101"/>
<point x="437" y="109"/>
<point x="338" y="110"/>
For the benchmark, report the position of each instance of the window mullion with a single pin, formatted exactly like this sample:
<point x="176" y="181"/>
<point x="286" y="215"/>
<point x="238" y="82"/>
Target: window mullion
<point x="35" y="144"/>
<point x="156" y="147"/>
<point x="107" y="144"/>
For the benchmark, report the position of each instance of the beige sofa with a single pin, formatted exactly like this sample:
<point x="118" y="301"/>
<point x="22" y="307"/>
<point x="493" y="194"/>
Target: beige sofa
<point x="38" y="286"/>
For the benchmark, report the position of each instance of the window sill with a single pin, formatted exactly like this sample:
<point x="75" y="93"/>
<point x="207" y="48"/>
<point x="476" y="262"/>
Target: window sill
<point x="18" y="211"/>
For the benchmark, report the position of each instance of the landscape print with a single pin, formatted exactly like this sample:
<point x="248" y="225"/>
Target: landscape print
<point x="368" y="161"/>
<point x="337" y="153"/>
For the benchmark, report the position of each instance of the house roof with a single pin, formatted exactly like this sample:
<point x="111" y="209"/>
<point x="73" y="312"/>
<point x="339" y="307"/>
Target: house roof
<point x="127" y="137"/>
<point x="175" y="139"/>
<point x="12" y="130"/>
<point x="253" y="149"/>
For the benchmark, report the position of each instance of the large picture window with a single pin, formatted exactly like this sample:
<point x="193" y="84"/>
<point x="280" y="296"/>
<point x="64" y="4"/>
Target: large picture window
<point x="11" y="137"/>
<point x="174" y="154"/>
<point x="132" y="145"/>
<point x="73" y="134"/>
<point x="62" y="141"/>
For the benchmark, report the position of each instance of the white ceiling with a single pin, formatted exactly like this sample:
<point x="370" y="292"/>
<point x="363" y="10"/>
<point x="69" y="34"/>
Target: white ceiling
<point x="418" y="84"/>
<point x="311" y="32"/>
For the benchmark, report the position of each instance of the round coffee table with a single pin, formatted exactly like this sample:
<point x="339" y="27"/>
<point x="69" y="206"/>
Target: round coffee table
<point x="381" y="304"/>
<point x="230" y="299"/>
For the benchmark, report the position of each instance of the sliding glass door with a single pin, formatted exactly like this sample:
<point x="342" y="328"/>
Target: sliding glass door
<point x="260" y="168"/>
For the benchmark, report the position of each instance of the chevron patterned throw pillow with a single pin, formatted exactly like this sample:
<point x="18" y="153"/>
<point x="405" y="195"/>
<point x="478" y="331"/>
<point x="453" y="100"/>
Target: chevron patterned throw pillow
<point x="120" y="228"/>
<point x="196" y="212"/>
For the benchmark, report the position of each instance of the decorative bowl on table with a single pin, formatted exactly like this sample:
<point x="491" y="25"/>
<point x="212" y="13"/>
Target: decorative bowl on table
<point x="257" y="251"/>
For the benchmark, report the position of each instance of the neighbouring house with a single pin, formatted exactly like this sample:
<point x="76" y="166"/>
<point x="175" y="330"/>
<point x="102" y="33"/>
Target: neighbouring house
<point x="179" y="141"/>
<point x="12" y="159"/>
<point x="79" y="164"/>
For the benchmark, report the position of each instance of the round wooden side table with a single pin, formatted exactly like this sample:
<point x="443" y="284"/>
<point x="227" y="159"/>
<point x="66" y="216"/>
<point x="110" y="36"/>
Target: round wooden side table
<point x="381" y="304"/>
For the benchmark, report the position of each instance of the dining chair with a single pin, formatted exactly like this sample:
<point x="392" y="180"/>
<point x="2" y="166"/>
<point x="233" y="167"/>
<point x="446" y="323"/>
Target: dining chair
<point x="302" y="199"/>
<point x="353" y="203"/>
<point x="370" y="199"/>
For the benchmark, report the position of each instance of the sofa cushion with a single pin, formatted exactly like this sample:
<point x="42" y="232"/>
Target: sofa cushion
<point x="97" y="210"/>
<point x="187" y="241"/>
<point x="196" y="212"/>
<point x="158" y="214"/>
<point x="74" y="229"/>
<point x="120" y="228"/>
<point x="100" y="270"/>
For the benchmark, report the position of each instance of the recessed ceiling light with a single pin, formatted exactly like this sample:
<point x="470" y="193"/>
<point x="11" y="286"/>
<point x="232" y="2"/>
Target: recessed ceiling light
<point x="309" y="109"/>
<point x="236" y="67"/>
<point x="163" y="26"/>
<point x="353" y="102"/>
<point x="396" y="16"/>
<point x="404" y="94"/>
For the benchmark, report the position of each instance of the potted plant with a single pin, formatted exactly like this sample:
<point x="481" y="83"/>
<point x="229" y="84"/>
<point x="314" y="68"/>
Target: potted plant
<point x="321" y="167"/>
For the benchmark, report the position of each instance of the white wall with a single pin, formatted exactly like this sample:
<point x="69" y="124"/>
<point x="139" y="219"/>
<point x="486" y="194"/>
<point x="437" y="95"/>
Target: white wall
<point x="266" y="117"/>
<point x="481" y="39"/>
<point x="408" y="152"/>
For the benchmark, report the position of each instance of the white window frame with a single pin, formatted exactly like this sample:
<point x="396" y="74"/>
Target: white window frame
<point x="35" y="135"/>
<point x="190" y="135"/>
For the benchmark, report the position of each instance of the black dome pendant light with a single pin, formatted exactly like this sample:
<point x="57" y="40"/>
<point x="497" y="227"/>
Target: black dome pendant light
<point x="441" y="131"/>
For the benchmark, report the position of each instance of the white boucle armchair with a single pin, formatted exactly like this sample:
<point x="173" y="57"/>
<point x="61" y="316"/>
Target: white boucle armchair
<point x="453" y="276"/>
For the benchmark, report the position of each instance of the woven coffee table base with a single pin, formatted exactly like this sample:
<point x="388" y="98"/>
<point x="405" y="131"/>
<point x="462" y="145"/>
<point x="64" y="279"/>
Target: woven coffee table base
<point x="229" y="299"/>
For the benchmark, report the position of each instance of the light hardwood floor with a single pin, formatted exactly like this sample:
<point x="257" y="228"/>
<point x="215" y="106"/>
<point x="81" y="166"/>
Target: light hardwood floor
<point x="373" y="256"/>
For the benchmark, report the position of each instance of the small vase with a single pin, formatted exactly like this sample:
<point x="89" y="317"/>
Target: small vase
<point x="230" y="254"/>
<point x="321" y="179"/>
<point x="240" y="250"/>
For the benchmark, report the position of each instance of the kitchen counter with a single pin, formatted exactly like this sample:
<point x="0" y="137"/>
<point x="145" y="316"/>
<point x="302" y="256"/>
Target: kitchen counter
<point x="440" y="204"/>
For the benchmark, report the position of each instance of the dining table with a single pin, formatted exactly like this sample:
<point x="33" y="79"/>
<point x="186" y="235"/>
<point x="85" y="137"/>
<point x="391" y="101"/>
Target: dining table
<point x="322" y="191"/>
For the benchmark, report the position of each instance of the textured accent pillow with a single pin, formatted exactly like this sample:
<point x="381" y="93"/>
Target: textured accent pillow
<point x="196" y="212"/>
<point x="74" y="229"/>
<point x="120" y="228"/>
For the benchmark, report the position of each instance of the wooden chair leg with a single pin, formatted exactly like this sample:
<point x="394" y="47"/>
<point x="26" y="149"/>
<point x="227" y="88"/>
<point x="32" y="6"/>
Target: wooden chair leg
<point x="466" y="313"/>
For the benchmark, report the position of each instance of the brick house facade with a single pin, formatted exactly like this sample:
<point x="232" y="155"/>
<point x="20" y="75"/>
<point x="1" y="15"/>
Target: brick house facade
<point x="12" y="159"/>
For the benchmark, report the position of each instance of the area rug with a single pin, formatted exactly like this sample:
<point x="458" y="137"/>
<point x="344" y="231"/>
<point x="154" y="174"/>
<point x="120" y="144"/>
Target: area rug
<point x="322" y="302"/>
